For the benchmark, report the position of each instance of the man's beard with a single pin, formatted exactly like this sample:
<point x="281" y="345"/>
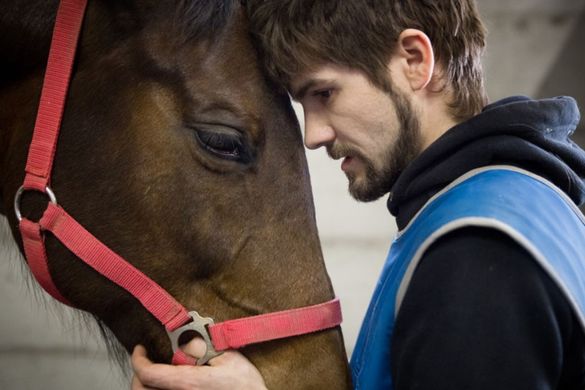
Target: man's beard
<point x="379" y="181"/>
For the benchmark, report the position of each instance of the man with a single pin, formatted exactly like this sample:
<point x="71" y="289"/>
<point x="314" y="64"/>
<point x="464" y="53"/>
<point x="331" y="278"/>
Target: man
<point x="484" y="287"/>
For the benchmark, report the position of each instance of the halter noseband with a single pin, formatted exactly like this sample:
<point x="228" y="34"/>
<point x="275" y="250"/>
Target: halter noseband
<point x="175" y="318"/>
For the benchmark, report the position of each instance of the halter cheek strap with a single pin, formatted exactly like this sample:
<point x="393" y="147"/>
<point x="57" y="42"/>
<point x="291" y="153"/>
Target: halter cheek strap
<point x="44" y="142"/>
<point x="172" y="315"/>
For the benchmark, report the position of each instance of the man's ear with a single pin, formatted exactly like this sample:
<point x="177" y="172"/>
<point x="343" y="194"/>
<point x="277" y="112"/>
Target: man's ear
<point x="415" y="51"/>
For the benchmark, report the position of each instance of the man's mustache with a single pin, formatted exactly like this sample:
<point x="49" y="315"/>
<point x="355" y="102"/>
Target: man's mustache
<point x="338" y="151"/>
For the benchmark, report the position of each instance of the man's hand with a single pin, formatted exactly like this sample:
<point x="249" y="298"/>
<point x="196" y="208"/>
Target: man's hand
<point x="231" y="370"/>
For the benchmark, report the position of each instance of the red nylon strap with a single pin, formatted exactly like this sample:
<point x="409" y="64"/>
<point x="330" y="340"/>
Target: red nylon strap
<point x="180" y="358"/>
<point x="234" y="334"/>
<point x="250" y="330"/>
<point x="55" y="86"/>
<point x="38" y="167"/>
<point x="36" y="256"/>
<point x="101" y="258"/>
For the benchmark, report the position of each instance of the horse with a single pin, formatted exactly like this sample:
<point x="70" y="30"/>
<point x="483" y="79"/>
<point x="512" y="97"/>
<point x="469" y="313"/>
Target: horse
<point x="177" y="152"/>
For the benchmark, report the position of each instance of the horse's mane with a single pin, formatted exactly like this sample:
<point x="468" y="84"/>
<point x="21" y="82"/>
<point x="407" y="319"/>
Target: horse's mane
<point x="14" y="262"/>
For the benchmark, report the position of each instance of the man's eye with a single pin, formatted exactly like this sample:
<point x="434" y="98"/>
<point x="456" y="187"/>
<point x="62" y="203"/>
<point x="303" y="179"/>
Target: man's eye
<point x="223" y="145"/>
<point x="324" y="93"/>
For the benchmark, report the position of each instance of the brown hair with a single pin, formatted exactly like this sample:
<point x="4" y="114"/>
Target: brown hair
<point x="297" y="35"/>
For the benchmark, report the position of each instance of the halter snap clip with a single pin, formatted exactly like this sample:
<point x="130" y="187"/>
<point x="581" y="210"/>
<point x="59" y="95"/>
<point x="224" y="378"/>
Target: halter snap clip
<point x="199" y="325"/>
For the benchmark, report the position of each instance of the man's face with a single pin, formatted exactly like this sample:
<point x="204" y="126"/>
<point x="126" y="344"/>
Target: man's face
<point x="377" y="133"/>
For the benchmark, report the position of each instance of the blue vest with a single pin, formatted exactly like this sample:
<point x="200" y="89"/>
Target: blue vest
<point x="529" y="209"/>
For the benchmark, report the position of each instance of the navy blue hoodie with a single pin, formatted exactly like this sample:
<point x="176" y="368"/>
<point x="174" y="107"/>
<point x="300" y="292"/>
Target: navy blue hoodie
<point x="479" y="312"/>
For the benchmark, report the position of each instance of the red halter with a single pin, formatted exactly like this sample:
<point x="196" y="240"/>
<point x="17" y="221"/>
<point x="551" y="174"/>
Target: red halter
<point x="175" y="318"/>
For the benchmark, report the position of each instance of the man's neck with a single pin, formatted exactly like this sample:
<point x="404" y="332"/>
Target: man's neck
<point x="435" y="121"/>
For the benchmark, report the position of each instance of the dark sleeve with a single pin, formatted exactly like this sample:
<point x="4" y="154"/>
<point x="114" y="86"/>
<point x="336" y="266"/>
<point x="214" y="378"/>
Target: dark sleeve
<point x="479" y="314"/>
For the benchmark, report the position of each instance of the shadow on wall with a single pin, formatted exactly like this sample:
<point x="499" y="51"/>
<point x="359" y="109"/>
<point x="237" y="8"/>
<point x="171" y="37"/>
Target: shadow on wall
<point x="566" y="76"/>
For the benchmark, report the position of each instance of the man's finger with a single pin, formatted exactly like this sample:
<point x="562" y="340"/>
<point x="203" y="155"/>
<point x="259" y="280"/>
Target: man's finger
<point x="155" y="375"/>
<point x="136" y="385"/>
<point x="164" y="376"/>
<point x="195" y="348"/>
<point x="139" y="358"/>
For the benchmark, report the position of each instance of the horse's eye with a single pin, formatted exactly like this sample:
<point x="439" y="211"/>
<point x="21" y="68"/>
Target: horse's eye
<point x="224" y="145"/>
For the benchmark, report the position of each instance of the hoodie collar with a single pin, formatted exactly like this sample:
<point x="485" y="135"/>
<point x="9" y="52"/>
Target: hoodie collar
<point x="518" y="131"/>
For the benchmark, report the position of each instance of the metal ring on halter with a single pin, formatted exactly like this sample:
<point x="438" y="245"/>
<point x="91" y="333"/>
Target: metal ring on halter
<point x="198" y="325"/>
<point x="18" y="195"/>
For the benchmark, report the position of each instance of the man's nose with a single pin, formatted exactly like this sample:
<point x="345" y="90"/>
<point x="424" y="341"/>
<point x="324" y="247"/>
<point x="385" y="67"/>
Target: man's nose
<point x="318" y="132"/>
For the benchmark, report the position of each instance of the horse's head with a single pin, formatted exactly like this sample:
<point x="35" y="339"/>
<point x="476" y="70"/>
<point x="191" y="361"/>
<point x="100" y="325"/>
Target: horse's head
<point x="178" y="154"/>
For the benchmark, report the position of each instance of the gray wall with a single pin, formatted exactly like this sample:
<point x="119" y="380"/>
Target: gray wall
<point x="535" y="47"/>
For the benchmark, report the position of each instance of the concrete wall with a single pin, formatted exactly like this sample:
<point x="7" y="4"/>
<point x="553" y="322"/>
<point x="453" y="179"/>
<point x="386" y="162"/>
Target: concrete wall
<point x="534" y="48"/>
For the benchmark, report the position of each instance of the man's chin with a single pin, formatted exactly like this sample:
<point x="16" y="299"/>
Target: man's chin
<point x="364" y="193"/>
<point x="368" y="188"/>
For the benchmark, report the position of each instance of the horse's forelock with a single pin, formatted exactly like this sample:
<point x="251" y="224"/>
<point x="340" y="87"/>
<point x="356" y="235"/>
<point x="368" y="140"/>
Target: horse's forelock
<point x="204" y="19"/>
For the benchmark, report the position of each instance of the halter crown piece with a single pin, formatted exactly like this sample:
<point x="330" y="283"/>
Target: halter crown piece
<point x="172" y="315"/>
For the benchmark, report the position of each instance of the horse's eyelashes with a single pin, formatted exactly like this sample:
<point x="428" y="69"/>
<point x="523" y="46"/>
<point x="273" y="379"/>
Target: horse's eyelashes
<point x="228" y="146"/>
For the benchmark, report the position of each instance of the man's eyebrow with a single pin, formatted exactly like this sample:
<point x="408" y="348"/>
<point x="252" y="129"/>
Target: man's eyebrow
<point x="300" y="92"/>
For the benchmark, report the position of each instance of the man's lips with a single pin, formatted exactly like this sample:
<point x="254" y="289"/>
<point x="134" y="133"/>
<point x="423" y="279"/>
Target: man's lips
<point x="346" y="162"/>
<point x="349" y="156"/>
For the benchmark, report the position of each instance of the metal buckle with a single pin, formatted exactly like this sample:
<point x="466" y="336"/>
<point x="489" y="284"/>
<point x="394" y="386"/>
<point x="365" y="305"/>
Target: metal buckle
<point x="18" y="195"/>
<point x="198" y="325"/>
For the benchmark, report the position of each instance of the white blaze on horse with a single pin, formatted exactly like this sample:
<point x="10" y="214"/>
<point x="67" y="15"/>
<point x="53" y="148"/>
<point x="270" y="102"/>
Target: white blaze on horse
<point x="178" y="181"/>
